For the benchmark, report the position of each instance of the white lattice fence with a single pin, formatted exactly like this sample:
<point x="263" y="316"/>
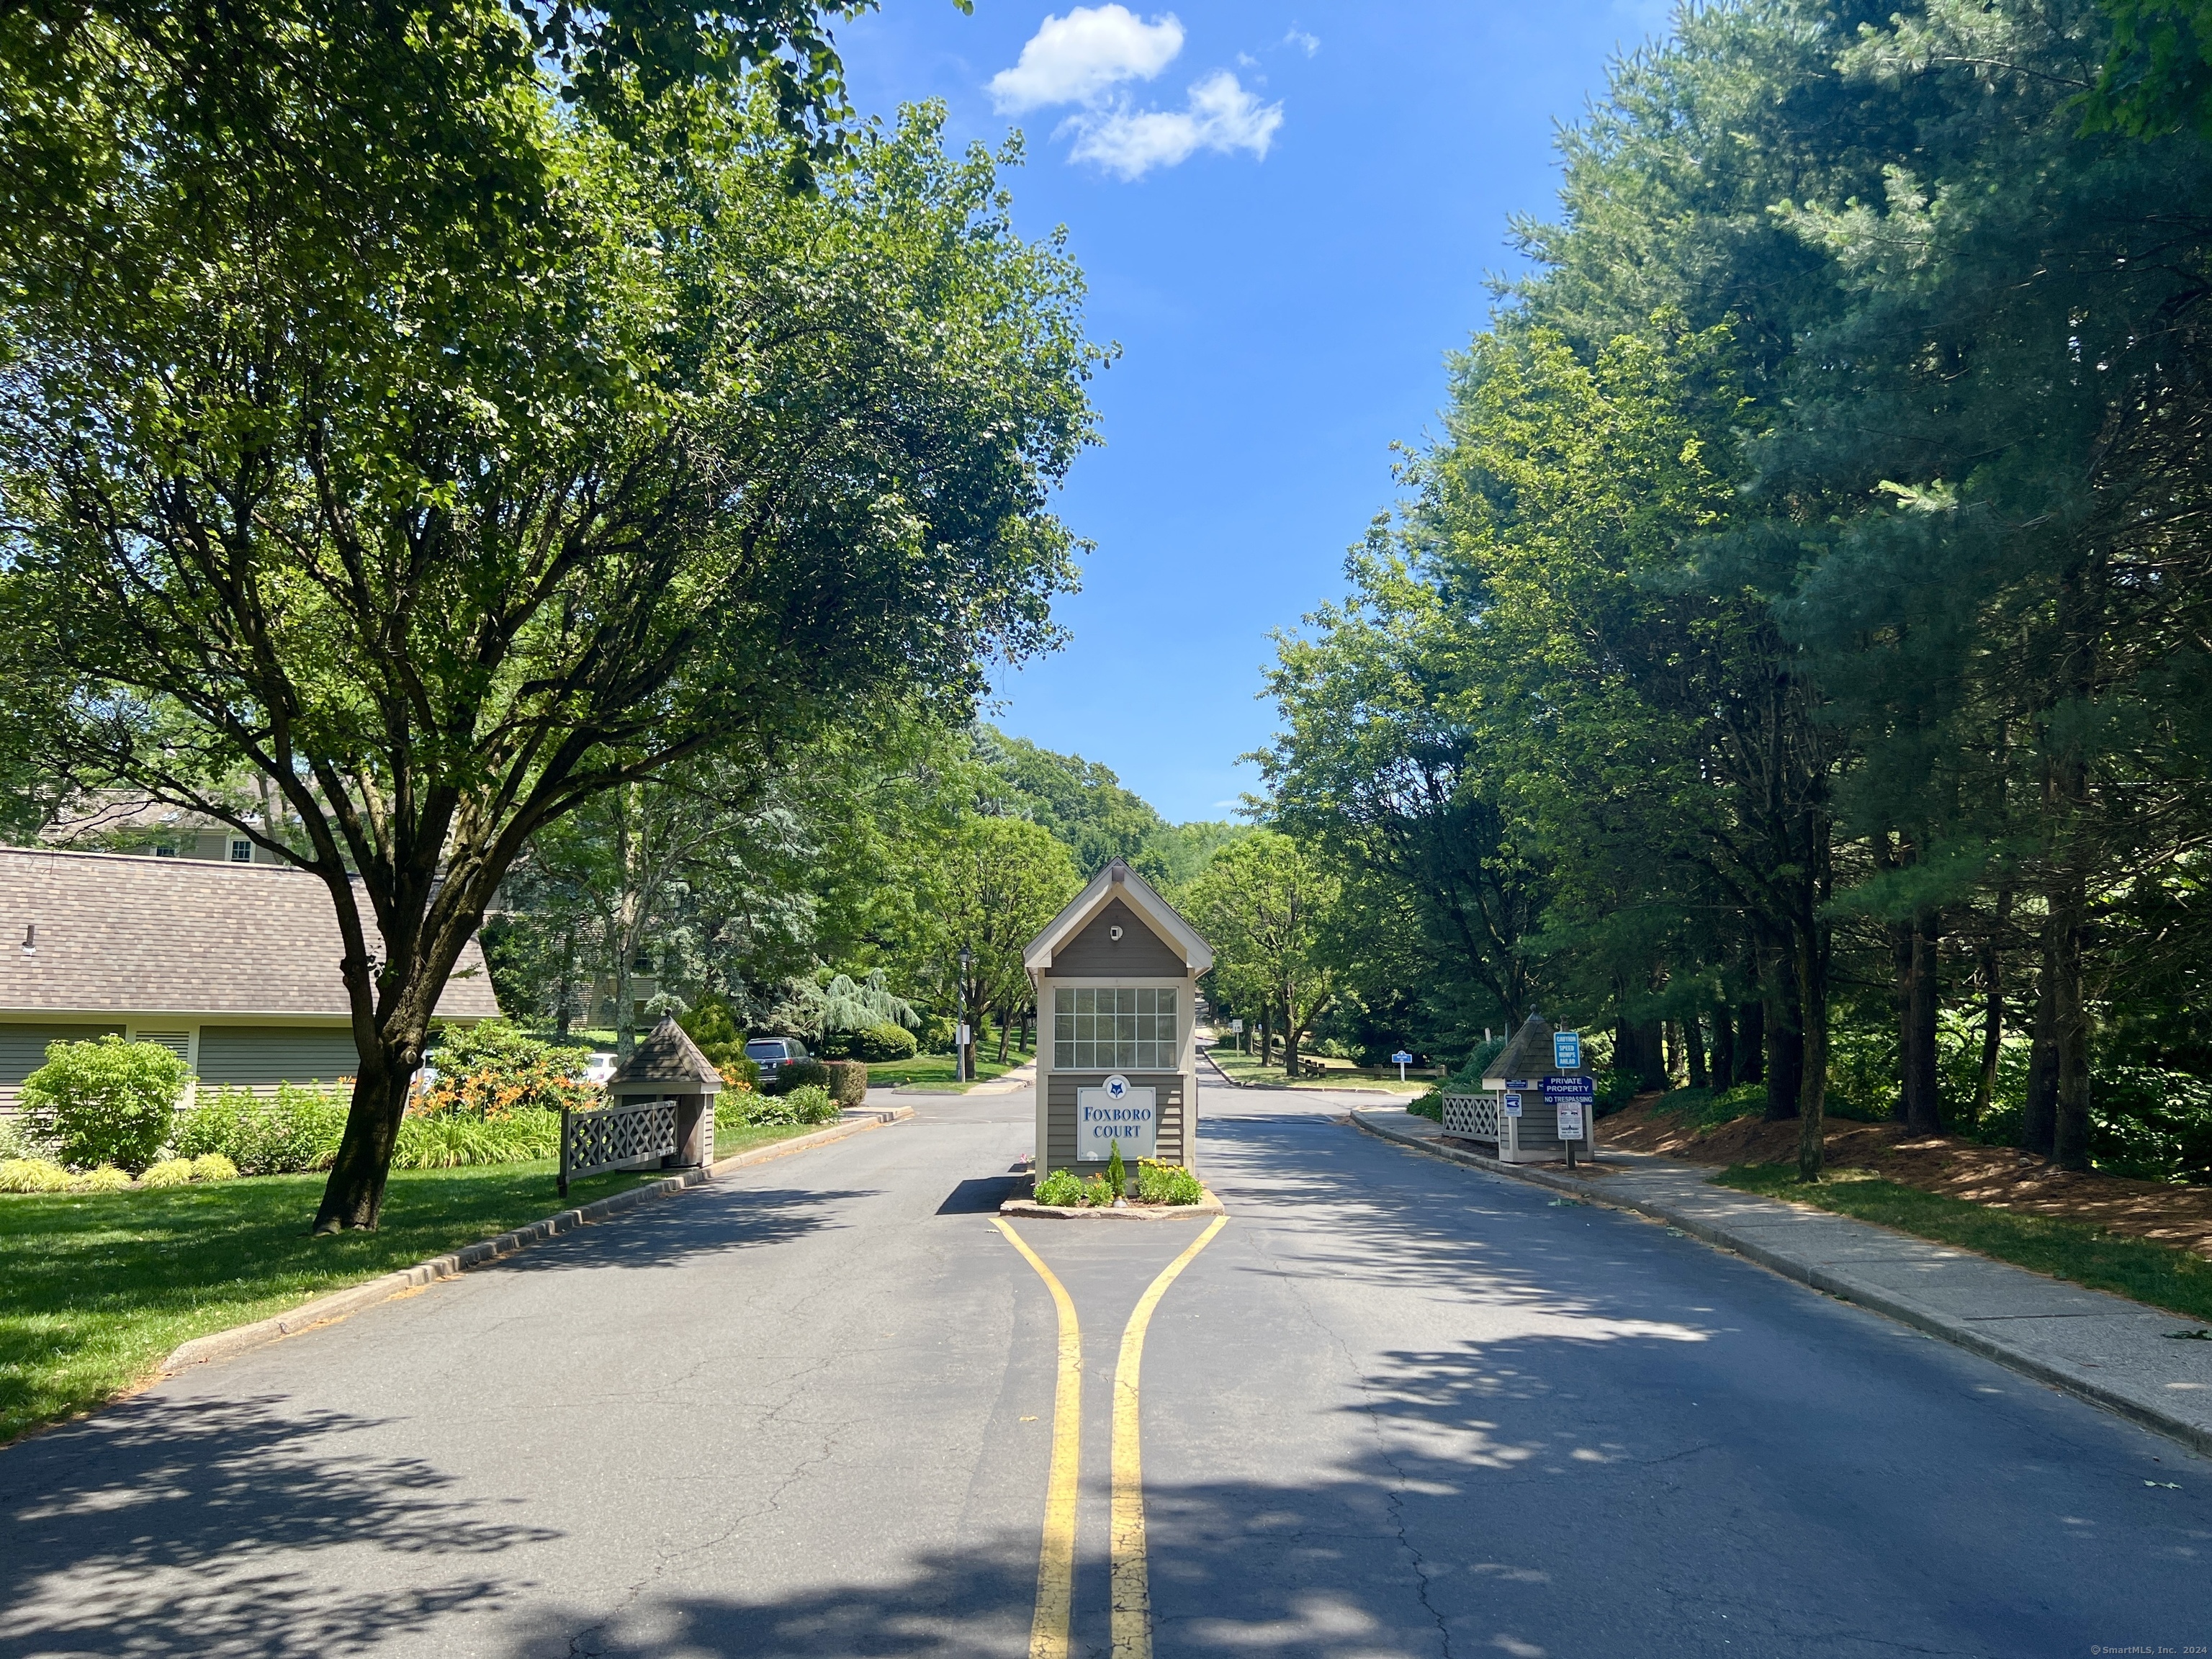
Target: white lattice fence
<point x="614" y="1137"/>
<point x="1471" y="1117"/>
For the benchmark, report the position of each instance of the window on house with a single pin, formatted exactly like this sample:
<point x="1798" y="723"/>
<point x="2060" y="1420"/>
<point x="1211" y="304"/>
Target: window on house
<point x="241" y="852"/>
<point x="1118" y="1030"/>
<point x="164" y="851"/>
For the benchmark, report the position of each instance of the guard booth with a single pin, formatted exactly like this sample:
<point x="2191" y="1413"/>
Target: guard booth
<point x="1116" y="977"/>
<point x="660" y="1110"/>
<point x="1513" y="1114"/>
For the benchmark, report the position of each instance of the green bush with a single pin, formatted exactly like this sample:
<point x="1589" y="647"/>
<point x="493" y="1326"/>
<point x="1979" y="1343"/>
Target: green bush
<point x="848" y="1081"/>
<point x="1429" y="1106"/>
<point x="105" y="1179"/>
<point x="454" y="1140"/>
<point x="1097" y="1194"/>
<point x="214" y="1166"/>
<point x="33" y="1175"/>
<point x="1117" y="1172"/>
<point x="809" y="1073"/>
<point x="812" y="1104"/>
<point x="1167" y="1183"/>
<point x="883" y="1044"/>
<point x="296" y="1128"/>
<point x="106" y="1101"/>
<point x="486" y="1071"/>
<point x="171" y="1172"/>
<point x="1062" y="1188"/>
<point x="16" y="1141"/>
<point x="714" y="1025"/>
<point x="1614" y="1091"/>
<point x="738" y="1069"/>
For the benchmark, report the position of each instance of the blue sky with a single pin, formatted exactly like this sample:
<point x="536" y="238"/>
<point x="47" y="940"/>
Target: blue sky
<point x="1285" y="214"/>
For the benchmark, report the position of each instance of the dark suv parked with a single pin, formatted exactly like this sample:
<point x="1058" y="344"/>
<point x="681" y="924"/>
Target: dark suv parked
<point x="773" y="1053"/>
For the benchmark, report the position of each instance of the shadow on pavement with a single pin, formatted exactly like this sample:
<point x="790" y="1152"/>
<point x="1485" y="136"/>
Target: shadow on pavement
<point x="982" y="1194"/>
<point x="704" y="1221"/>
<point x="185" y="1526"/>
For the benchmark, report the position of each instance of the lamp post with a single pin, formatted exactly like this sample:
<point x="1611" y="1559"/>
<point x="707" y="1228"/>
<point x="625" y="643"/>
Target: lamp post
<point x="966" y="1065"/>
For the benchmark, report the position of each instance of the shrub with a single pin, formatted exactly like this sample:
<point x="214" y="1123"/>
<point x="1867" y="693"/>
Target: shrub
<point x="16" y="1140"/>
<point x="1614" y="1091"/>
<point x="452" y="1140"/>
<point x="296" y="1128"/>
<point x="1117" y="1172"/>
<point x="1167" y="1183"/>
<point x="848" y="1081"/>
<point x="214" y="1166"/>
<point x="488" y="1070"/>
<point x="1097" y="1195"/>
<point x="809" y="1073"/>
<point x="106" y="1101"/>
<point x="171" y="1172"/>
<point x="33" y="1175"/>
<point x="756" y="1109"/>
<point x="810" y="1103"/>
<point x="1429" y="1106"/>
<point x="105" y="1179"/>
<point x="883" y="1044"/>
<point x="1060" y="1188"/>
<point x="714" y="1026"/>
<point x="737" y="1071"/>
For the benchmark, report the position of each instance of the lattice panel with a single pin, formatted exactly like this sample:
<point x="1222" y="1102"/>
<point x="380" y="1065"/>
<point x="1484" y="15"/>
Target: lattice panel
<point x="614" y="1137"/>
<point x="1471" y="1117"/>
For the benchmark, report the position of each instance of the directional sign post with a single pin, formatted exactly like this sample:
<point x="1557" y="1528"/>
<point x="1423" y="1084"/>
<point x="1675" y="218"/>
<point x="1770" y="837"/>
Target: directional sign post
<point x="1401" y="1059"/>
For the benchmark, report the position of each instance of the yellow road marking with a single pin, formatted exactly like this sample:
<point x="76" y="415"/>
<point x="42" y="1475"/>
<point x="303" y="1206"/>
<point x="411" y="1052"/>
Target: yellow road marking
<point x="1132" y="1626"/>
<point x="1056" y="1590"/>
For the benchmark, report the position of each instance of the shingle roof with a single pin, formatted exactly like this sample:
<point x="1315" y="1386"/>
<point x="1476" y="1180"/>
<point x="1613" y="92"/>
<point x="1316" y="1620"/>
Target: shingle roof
<point x="182" y="936"/>
<point x="667" y="1055"/>
<point x="1529" y="1054"/>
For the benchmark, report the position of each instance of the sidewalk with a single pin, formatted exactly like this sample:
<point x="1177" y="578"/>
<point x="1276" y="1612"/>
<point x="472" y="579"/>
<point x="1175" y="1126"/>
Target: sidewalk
<point x="2113" y="1352"/>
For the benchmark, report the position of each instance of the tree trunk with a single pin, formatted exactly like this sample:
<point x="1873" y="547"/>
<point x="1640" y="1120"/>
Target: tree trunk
<point x="1266" y="1041"/>
<point x="1723" y="1047"/>
<point x="1670" y="1050"/>
<point x="1812" y="949"/>
<point x="1785" y="1042"/>
<point x="2070" y="1029"/>
<point x="1924" y="1112"/>
<point x="1005" y="1032"/>
<point x="1693" y="1051"/>
<point x="1992" y="965"/>
<point x="353" y="1197"/>
<point x="1750" y="1043"/>
<point x="2039" y="1123"/>
<point x="1291" y="1032"/>
<point x="565" y="990"/>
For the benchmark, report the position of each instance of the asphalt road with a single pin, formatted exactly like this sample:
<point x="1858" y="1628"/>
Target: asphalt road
<point x="1396" y="1407"/>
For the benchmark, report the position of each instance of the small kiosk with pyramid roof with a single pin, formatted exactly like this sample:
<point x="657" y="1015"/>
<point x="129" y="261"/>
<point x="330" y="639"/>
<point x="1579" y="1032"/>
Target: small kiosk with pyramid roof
<point x="660" y="1110"/>
<point x="1516" y="1115"/>
<point x="1116" y="976"/>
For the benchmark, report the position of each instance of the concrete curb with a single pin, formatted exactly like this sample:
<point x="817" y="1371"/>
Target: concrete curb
<point x="338" y="1304"/>
<point x="1844" y="1287"/>
<point x="1023" y="1206"/>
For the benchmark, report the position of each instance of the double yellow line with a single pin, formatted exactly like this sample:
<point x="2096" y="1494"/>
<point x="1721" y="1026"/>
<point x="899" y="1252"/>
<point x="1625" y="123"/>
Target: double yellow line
<point x="1131" y="1627"/>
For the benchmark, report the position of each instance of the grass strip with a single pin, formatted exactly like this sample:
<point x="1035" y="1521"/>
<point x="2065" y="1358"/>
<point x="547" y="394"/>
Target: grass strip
<point x="935" y="1071"/>
<point x="1342" y="1074"/>
<point x="2141" y="1269"/>
<point x="745" y="1137"/>
<point x="96" y="1289"/>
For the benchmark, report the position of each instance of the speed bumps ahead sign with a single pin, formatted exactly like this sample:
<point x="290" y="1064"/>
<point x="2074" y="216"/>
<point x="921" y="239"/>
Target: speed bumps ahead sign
<point x="1117" y="1112"/>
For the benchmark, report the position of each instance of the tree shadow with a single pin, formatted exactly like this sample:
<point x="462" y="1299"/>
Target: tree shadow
<point x="703" y="1221"/>
<point x="169" y="1526"/>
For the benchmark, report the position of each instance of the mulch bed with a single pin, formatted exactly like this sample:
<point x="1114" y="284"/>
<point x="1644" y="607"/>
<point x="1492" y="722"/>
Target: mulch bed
<point x="2003" y="1177"/>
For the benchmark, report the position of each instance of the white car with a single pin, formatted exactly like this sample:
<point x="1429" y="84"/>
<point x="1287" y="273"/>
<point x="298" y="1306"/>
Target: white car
<point x="599" y="1069"/>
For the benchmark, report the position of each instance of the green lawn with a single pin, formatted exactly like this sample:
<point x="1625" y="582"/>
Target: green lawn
<point x="934" y="1072"/>
<point x="730" y="1139"/>
<point x="2141" y="1269"/>
<point x="98" y="1288"/>
<point x="1342" y="1074"/>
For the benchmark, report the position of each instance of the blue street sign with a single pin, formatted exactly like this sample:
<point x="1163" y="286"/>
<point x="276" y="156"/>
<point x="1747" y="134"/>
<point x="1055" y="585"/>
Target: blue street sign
<point x="1567" y="1050"/>
<point x="1571" y="1088"/>
<point x="1401" y="1058"/>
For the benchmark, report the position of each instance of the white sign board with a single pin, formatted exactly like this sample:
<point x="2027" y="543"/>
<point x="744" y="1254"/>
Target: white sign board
<point x="963" y="1039"/>
<point x="1512" y="1105"/>
<point x="1571" y="1119"/>
<point x="1237" y="1026"/>
<point x="1125" y="1116"/>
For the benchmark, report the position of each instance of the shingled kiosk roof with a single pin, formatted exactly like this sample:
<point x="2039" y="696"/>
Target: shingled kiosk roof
<point x="1529" y="1054"/>
<point x="667" y="1055"/>
<point x="99" y="932"/>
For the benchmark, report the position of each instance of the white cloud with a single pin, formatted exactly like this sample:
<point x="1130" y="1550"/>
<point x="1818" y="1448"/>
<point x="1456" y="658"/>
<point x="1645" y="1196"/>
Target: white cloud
<point x="1078" y="58"/>
<point x="1308" y="43"/>
<point x="1220" y="115"/>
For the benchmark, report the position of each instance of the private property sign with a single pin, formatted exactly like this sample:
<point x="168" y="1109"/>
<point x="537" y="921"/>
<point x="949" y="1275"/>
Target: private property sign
<point x="1571" y="1097"/>
<point x="1119" y="1114"/>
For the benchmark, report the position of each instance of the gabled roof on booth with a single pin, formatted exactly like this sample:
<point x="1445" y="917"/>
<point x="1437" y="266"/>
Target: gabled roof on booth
<point x="1529" y="1054"/>
<point x="667" y="1055"/>
<point x="1118" y="880"/>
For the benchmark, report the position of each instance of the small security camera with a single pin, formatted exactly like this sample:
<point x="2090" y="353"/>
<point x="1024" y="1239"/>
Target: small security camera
<point x="1113" y="933"/>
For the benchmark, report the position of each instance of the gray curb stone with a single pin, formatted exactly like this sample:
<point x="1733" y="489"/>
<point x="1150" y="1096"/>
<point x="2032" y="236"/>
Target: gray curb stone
<point x="1022" y="1207"/>
<point x="2145" y="1413"/>
<point x="327" y="1309"/>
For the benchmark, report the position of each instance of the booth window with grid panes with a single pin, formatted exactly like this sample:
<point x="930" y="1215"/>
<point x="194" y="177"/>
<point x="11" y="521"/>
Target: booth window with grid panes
<point x="1123" y="1029"/>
